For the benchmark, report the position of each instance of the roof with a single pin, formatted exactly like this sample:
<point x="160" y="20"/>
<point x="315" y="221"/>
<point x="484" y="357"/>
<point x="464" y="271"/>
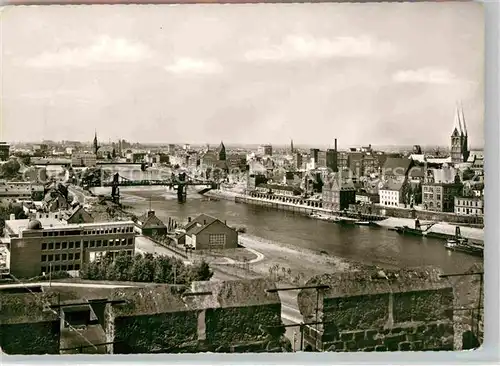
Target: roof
<point x="396" y="166"/>
<point x="75" y="211"/>
<point x="150" y="221"/>
<point x="392" y="185"/>
<point x="417" y="172"/>
<point x="202" y="219"/>
<point x="444" y="175"/>
<point x="278" y="187"/>
<point x="418" y="157"/>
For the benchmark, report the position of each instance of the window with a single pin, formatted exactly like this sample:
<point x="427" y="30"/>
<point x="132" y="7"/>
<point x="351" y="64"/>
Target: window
<point x="56" y="233"/>
<point x="51" y="233"/>
<point x="77" y="267"/>
<point x="70" y="256"/>
<point x="92" y="243"/>
<point x="64" y="256"/>
<point x="51" y="246"/>
<point x="64" y="245"/>
<point x="44" y="246"/>
<point x="86" y="244"/>
<point x="438" y="197"/>
<point x="44" y="258"/>
<point x="114" y="230"/>
<point x="44" y="269"/>
<point x="63" y="267"/>
<point x="217" y="239"/>
<point x="77" y="256"/>
<point x="77" y="245"/>
<point x="58" y="246"/>
<point x="129" y="241"/>
<point x="70" y="267"/>
<point x="71" y="245"/>
<point x="57" y="257"/>
<point x="57" y="268"/>
<point x="50" y="257"/>
<point x="99" y="243"/>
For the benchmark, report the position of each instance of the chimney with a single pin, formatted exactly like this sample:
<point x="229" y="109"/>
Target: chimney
<point x="151" y="213"/>
<point x="225" y="222"/>
<point x="12" y="217"/>
<point x="204" y="222"/>
<point x="335" y="145"/>
<point x="189" y="219"/>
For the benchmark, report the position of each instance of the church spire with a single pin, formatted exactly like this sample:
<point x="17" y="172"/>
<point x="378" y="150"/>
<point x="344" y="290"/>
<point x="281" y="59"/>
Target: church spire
<point x="457" y="130"/>
<point x="463" y="118"/>
<point x="96" y="146"/>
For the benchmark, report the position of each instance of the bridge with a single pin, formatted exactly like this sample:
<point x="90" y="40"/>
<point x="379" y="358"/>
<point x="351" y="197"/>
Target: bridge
<point x="180" y="181"/>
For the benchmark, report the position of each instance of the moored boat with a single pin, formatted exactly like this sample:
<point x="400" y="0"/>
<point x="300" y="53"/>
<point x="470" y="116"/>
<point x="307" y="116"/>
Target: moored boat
<point x="463" y="245"/>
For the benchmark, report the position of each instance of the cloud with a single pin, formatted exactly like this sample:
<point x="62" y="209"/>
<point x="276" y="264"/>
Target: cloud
<point x="104" y="50"/>
<point x="306" y="47"/>
<point x="194" y="66"/>
<point x="425" y="76"/>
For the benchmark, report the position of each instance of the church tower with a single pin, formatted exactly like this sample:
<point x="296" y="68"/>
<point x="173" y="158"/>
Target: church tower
<point x="222" y="152"/>
<point x="459" y="139"/>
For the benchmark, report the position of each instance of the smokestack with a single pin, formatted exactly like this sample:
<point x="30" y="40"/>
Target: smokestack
<point x="335" y="145"/>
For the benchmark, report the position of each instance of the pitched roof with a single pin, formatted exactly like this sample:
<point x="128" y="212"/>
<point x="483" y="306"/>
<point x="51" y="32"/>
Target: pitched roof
<point x="202" y="219"/>
<point x="396" y="166"/>
<point x="392" y="185"/>
<point x="150" y="221"/>
<point x="75" y="211"/>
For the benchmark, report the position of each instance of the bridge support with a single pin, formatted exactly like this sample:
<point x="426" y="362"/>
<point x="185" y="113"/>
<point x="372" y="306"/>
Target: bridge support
<point x="181" y="193"/>
<point x="115" y="190"/>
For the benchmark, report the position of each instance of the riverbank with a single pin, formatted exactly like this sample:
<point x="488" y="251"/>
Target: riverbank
<point x="471" y="233"/>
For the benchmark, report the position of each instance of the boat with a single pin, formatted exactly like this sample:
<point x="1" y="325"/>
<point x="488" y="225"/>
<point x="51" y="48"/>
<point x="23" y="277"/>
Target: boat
<point x="363" y="223"/>
<point x="463" y="245"/>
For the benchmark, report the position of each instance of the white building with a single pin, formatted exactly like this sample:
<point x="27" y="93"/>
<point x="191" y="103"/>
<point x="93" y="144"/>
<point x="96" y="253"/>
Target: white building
<point x="469" y="206"/>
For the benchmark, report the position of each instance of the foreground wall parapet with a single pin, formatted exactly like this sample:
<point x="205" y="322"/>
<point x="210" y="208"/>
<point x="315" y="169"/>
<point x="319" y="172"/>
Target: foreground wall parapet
<point x="379" y="310"/>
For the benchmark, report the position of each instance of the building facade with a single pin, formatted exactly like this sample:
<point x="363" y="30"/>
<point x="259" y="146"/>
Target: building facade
<point x="83" y="159"/>
<point x="209" y="233"/>
<point x="37" y="248"/>
<point x="336" y="194"/>
<point x="265" y="150"/>
<point x="440" y="197"/>
<point x="469" y="206"/>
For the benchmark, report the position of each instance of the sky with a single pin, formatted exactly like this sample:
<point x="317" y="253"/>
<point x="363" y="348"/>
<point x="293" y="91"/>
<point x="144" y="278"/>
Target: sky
<point x="380" y="73"/>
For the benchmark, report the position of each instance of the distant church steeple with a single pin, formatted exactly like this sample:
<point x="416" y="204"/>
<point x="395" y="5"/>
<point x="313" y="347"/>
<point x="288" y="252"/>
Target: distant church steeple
<point x="459" y="138"/>
<point x="96" y="146"/>
<point x="222" y="152"/>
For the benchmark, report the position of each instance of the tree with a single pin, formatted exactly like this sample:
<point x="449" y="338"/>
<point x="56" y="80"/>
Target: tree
<point x="468" y="174"/>
<point x="10" y="169"/>
<point x="202" y="272"/>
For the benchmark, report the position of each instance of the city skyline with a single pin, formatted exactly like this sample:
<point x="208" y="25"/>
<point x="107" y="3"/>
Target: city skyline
<point x="212" y="73"/>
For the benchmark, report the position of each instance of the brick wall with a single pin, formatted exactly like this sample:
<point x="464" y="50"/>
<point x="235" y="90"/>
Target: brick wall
<point x="409" y="310"/>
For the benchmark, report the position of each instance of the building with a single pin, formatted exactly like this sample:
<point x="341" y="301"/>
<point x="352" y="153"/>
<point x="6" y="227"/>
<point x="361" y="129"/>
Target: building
<point x="440" y="197"/>
<point x="78" y="216"/>
<point x="265" y="150"/>
<point x="4" y="151"/>
<point x="459" y="139"/>
<point x="469" y="206"/>
<point x="337" y="193"/>
<point x="392" y="193"/>
<point x="396" y="169"/>
<point x="49" y="245"/>
<point x="83" y="159"/>
<point x="209" y="233"/>
<point x="21" y="190"/>
<point x="298" y="160"/>
<point x="278" y="189"/>
<point x="321" y="163"/>
<point x="332" y="158"/>
<point x="314" y="155"/>
<point x="150" y="225"/>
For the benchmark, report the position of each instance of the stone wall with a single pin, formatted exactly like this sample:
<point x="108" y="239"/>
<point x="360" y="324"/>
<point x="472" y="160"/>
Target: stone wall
<point x="379" y="311"/>
<point x="26" y="326"/>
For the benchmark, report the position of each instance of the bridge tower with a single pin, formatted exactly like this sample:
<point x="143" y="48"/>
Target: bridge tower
<point x="115" y="190"/>
<point x="181" y="188"/>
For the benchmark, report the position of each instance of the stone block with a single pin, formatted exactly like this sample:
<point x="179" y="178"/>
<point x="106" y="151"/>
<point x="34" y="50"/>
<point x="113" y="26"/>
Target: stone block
<point x="429" y="305"/>
<point x="405" y="346"/>
<point x="380" y="348"/>
<point x="347" y="336"/>
<point x="417" y="346"/>
<point x="370" y="334"/>
<point x="351" y="346"/>
<point x="357" y="312"/>
<point x="392" y="341"/>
